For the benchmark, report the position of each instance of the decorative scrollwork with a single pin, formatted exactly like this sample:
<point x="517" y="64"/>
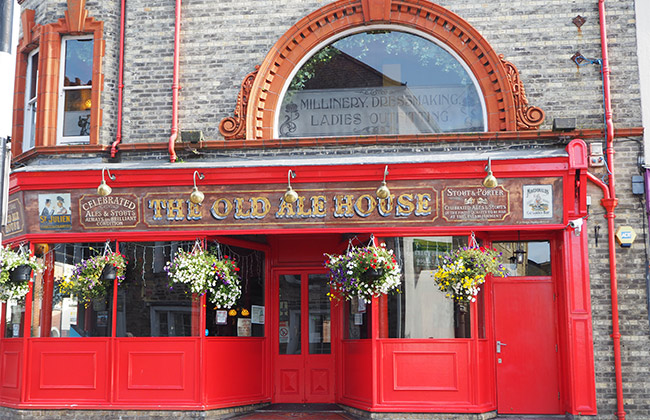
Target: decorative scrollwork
<point x="528" y="117"/>
<point x="232" y="128"/>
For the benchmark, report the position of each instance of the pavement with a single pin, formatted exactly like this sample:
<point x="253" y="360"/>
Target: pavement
<point x="334" y="412"/>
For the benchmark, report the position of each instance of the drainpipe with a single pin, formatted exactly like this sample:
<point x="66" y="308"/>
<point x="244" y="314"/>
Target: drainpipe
<point x="609" y="202"/>
<point x="175" y="86"/>
<point x="120" y="83"/>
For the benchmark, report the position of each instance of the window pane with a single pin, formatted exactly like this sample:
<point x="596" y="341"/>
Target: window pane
<point x="33" y="76"/>
<point x="358" y="315"/>
<point x="319" y="315"/>
<point x="247" y="319"/>
<point x="15" y="319"/>
<point x="421" y="310"/>
<point x="380" y="82"/>
<point x="71" y="318"/>
<point x="147" y="306"/>
<point x="78" y="62"/>
<point x="76" y="120"/>
<point x="535" y="261"/>
<point x="289" y="314"/>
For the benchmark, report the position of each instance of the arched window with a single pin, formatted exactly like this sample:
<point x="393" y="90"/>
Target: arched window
<point x="380" y="81"/>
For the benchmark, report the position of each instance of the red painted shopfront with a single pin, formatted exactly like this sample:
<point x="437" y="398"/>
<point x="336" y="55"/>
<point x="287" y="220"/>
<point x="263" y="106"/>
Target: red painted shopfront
<point x="286" y="342"/>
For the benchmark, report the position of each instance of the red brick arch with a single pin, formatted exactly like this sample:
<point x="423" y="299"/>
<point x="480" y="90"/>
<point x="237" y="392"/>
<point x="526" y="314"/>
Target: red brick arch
<point x="507" y="107"/>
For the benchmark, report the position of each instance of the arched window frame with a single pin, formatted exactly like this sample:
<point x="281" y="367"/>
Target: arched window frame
<point x="357" y="30"/>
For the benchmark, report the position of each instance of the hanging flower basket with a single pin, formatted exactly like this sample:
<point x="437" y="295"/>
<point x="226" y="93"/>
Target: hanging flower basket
<point x="363" y="272"/>
<point x="21" y="273"/>
<point x="205" y="273"/>
<point x="88" y="280"/>
<point x="15" y="272"/>
<point x="462" y="272"/>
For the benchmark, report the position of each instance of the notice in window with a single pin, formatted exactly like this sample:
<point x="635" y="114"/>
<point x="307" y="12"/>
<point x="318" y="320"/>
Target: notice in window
<point x="243" y="327"/>
<point x="257" y="314"/>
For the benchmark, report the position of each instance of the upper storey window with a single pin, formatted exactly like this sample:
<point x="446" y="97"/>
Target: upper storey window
<point x="75" y="90"/>
<point x="31" y="101"/>
<point x="381" y="82"/>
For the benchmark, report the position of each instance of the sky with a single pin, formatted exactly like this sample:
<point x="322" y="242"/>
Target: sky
<point x="7" y="67"/>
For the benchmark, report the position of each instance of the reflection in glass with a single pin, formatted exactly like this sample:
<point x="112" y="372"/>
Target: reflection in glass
<point x="320" y="323"/>
<point x="421" y="310"/>
<point x="380" y="82"/>
<point x="289" y="314"/>
<point x="76" y="120"/>
<point x="78" y="62"/>
<point x="15" y="318"/>
<point x="358" y="315"/>
<point x="247" y="319"/>
<point x="71" y="318"/>
<point x="537" y="258"/>
<point x="146" y="304"/>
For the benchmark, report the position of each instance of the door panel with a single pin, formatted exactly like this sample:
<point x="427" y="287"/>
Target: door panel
<point x="527" y="358"/>
<point x="304" y="363"/>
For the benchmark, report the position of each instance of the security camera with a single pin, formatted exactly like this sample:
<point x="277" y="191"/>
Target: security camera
<point x="575" y="224"/>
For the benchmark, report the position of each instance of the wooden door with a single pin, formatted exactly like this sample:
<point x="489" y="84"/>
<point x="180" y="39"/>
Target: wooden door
<point x="304" y="359"/>
<point x="526" y="346"/>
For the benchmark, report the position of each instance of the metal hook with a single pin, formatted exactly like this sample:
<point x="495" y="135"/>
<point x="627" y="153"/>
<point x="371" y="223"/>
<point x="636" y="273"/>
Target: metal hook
<point x="201" y="176"/>
<point x="290" y="174"/>
<point x="111" y="177"/>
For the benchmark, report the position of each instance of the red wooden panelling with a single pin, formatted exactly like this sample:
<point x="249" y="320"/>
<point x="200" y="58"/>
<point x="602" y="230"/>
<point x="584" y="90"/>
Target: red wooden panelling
<point x="69" y="370"/>
<point x="426" y="373"/>
<point x="357" y="372"/>
<point x="157" y="369"/>
<point x="235" y="371"/>
<point x="10" y="376"/>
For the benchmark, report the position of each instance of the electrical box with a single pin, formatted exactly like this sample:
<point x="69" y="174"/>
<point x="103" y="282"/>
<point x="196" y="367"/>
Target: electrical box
<point x="638" y="185"/>
<point x="596" y="157"/>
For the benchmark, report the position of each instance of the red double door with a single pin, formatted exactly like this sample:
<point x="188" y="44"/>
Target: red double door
<point x="304" y="337"/>
<point x="526" y="346"/>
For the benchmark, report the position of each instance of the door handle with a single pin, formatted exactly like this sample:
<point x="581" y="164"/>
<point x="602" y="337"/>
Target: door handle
<point x="499" y="344"/>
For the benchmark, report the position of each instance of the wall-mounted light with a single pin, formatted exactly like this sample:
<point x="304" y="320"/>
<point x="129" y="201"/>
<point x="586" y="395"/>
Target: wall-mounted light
<point x="490" y="181"/>
<point x="383" y="191"/>
<point x="290" y="196"/>
<point x="104" y="189"/>
<point x="197" y="196"/>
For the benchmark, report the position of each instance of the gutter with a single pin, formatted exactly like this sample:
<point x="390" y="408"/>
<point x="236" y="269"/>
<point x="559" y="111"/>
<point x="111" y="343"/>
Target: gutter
<point x="175" y="84"/>
<point x="120" y="82"/>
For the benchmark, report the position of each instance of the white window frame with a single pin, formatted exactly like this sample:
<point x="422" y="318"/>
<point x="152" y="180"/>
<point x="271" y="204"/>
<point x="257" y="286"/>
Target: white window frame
<point x="31" y="104"/>
<point x="60" y="138"/>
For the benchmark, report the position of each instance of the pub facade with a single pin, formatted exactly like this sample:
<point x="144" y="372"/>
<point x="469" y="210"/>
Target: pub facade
<point x="130" y="140"/>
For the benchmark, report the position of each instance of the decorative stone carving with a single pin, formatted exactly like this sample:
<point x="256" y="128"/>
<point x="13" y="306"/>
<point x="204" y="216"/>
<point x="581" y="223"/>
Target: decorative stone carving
<point x="232" y="128"/>
<point x="528" y="117"/>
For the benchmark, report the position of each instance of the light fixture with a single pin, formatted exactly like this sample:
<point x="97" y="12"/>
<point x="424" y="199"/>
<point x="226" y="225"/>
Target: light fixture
<point x="490" y="181"/>
<point x="104" y="189"/>
<point x="290" y="196"/>
<point x="197" y="196"/>
<point x="383" y="191"/>
<point x="519" y="253"/>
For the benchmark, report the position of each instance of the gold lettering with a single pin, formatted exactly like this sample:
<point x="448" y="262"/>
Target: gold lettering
<point x="193" y="211"/>
<point x="285" y="210"/>
<point x="157" y="209"/>
<point x="423" y="207"/>
<point x="221" y="214"/>
<point x="405" y="205"/>
<point x="260" y="207"/>
<point x="174" y="209"/>
<point x="318" y="204"/>
<point x="239" y="209"/>
<point x="372" y="204"/>
<point x="301" y="208"/>
<point x="343" y="205"/>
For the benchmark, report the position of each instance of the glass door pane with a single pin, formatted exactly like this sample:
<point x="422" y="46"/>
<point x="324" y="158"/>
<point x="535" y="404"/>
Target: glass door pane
<point x="289" y="314"/>
<point x="319" y="315"/>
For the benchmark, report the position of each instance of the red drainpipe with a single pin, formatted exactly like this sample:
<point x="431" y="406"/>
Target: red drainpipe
<point x="609" y="202"/>
<point x="120" y="83"/>
<point x="175" y="85"/>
